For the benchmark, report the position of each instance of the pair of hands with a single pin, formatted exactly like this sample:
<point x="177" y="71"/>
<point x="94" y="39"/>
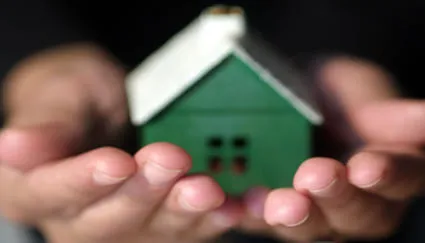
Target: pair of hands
<point x="63" y="102"/>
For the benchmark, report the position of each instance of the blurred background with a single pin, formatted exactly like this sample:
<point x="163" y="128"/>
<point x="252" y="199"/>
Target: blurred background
<point x="389" y="32"/>
<point x="385" y="31"/>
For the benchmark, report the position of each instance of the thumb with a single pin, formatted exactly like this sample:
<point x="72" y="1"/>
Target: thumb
<point x="355" y="83"/>
<point x="349" y="86"/>
<point x="49" y="124"/>
<point x="53" y="103"/>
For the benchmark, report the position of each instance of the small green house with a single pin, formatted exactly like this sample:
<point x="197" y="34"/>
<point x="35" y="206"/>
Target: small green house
<point x="220" y="92"/>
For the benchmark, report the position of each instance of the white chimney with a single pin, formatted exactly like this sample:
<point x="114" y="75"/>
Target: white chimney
<point x="222" y="22"/>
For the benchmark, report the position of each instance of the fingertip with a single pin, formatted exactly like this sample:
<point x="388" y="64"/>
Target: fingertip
<point x="13" y="145"/>
<point x="384" y="122"/>
<point x="318" y="174"/>
<point x="166" y="155"/>
<point x="366" y="169"/>
<point x="111" y="165"/>
<point x="199" y="193"/>
<point x="287" y="207"/>
<point x="27" y="146"/>
<point x="23" y="148"/>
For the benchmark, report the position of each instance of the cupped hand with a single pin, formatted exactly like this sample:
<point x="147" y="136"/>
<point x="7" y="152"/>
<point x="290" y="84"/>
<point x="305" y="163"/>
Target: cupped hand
<point x="65" y="108"/>
<point x="361" y="197"/>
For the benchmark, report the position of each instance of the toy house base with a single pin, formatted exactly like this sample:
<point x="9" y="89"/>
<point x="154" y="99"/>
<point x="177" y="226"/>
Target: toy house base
<point x="236" y="128"/>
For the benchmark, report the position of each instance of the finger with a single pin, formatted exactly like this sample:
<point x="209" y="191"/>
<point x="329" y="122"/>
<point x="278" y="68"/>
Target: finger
<point x="227" y="216"/>
<point x="366" y="95"/>
<point x="347" y="86"/>
<point x="393" y="122"/>
<point x="135" y="203"/>
<point x="67" y="187"/>
<point x="349" y="210"/>
<point x="294" y="216"/>
<point x="189" y="200"/>
<point x="355" y="82"/>
<point x="390" y="173"/>
<point x="254" y="201"/>
<point x="51" y="127"/>
<point x="26" y="147"/>
<point x="51" y="102"/>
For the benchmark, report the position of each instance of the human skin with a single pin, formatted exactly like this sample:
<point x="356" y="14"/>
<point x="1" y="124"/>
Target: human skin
<point x="62" y="170"/>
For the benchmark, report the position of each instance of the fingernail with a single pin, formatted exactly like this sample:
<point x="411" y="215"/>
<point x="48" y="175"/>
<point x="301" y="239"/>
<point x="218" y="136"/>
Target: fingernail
<point x="369" y="184"/>
<point x="158" y="175"/>
<point x="101" y="177"/>
<point x="367" y="177"/>
<point x="286" y="217"/>
<point x="182" y="199"/>
<point x="327" y="190"/>
<point x="186" y="205"/>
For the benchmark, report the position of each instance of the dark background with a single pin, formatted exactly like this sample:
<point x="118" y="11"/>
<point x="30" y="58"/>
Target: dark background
<point x="388" y="32"/>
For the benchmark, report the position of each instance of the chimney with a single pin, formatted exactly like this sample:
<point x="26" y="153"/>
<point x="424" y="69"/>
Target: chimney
<point x="223" y="22"/>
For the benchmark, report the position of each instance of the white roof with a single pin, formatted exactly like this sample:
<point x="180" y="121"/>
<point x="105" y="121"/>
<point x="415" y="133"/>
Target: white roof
<point x="189" y="55"/>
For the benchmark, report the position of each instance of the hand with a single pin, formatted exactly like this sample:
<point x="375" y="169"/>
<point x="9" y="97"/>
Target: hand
<point x="63" y="102"/>
<point x="366" y="197"/>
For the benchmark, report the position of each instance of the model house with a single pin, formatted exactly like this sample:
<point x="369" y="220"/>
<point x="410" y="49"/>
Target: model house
<point x="222" y="93"/>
